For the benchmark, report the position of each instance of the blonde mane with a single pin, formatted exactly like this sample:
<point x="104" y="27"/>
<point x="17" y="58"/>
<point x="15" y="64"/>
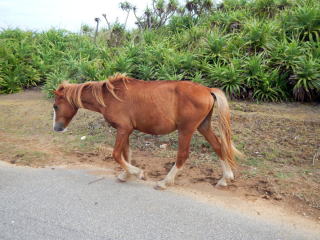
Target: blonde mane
<point x="72" y="92"/>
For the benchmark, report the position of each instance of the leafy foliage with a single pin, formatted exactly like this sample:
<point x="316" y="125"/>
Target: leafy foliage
<point x="228" y="77"/>
<point x="303" y="21"/>
<point x="264" y="50"/>
<point x="307" y="75"/>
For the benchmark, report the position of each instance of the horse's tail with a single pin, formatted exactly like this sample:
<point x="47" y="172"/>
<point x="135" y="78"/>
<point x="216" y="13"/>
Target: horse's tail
<point x="228" y="150"/>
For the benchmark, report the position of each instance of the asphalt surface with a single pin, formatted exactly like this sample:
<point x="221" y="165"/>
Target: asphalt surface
<point x="71" y="204"/>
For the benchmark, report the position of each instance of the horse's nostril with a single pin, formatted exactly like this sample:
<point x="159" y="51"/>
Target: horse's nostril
<point x="58" y="127"/>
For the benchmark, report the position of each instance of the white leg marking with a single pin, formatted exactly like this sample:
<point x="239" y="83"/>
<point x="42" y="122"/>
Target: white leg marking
<point x="129" y="156"/>
<point x="171" y="175"/>
<point x="135" y="171"/>
<point x="222" y="183"/>
<point x="227" y="174"/>
<point x="169" y="179"/>
<point x="123" y="176"/>
<point x="54" y="118"/>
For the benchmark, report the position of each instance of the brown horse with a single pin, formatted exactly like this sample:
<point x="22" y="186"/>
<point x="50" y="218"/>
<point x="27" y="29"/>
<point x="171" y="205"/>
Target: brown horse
<point x="155" y="107"/>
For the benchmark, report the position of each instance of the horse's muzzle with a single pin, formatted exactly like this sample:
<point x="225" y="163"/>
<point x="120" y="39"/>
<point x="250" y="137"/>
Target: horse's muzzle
<point x="59" y="127"/>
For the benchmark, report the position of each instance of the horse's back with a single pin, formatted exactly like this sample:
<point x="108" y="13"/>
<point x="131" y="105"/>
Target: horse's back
<point x="171" y="94"/>
<point x="160" y="107"/>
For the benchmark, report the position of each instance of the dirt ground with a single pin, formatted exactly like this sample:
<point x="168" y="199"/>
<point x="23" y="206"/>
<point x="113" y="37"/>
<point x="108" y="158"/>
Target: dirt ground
<point x="281" y="142"/>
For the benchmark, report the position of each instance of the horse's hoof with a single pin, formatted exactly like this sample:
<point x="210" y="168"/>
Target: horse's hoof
<point x="123" y="176"/>
<point x="142" y="175"/>
<point x="161" y="185"/>
<point x="222" y="183"/>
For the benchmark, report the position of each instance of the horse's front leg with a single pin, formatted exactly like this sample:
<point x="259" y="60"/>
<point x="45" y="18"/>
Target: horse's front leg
<point x="120" y="146"/>
<point x="126" y="154"/>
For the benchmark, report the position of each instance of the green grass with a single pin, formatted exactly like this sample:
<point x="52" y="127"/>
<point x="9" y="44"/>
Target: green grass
<point x="284" y="175"/>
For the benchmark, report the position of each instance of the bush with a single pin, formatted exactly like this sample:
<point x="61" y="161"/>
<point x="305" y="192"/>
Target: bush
<point x="18" y="61"/>
<point x="227" y="77"/>
<point x="303" y="21"/>
<point x="306" y="78"/>
<point x="263" y="50"/>
<point x="180" y="23"/>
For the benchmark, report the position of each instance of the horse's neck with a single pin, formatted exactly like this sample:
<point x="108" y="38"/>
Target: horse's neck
<point x="89" y="101"/>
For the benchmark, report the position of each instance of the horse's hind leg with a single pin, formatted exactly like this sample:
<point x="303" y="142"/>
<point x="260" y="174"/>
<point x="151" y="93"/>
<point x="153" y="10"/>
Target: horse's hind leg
<point x="183" y="153"/>
<point x="120" y="145"/>
<point x="207" y="132"/>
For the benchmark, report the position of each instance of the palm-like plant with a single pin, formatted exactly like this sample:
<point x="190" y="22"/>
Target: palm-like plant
<point x="86" y="29"/>
<point x="127" y="7"/>
<point x="168" y="72"/>
<point x="197" y="8"/>
<point x="286" y="53"/>
<point x="228" y="77"/>
<point x="194" y="35"/>
<point x="180" y="23"/>
<point x="146" y="72"/>
<point x="104" y="15"/>
<point x="97" y="20"/>
<point x="269" y="87"/>
<point x="197" y="77"/>
<point x="307" y="78"/>
<point x="264" y="8"/>
<point x="254" y="68"/>
<point x="303" y="21"/>
<point x="9" y="83"/>
<point x="314" y="48"/>
<point x="216" y="44"/>
<point x="259" y="34"/>
<point x="231" y="5"/>
<point x="53" y="81"/>
<point x="121" y="64"/>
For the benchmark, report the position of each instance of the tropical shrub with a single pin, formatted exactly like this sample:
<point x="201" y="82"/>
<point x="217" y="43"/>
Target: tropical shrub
<point x="303" y="21"/>
<point x="307" y="78"/>
<point x="227" y="77"/>
<point x="263" y="50"/>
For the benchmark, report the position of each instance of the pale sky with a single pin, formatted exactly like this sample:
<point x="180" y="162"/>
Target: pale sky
<point x="68" y="14"/>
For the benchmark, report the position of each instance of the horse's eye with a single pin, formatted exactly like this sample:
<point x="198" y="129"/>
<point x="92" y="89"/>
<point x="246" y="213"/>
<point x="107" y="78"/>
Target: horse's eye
<point x="55" y="107"/>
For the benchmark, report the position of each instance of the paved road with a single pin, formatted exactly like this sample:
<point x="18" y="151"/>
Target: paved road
<point x="61" y="204"/>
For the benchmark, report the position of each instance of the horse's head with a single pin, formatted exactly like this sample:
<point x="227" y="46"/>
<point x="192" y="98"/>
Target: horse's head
<point x="63" y="111"/>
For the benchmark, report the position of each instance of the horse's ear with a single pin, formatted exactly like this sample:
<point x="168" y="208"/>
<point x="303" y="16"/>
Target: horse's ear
<point x="58" y="93"/>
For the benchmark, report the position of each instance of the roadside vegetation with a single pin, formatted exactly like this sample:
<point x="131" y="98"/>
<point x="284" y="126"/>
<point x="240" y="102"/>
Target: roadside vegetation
<point x="262" y="50"/>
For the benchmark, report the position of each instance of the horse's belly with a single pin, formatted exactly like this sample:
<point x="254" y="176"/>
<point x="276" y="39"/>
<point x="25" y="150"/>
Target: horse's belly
<point x="156" y="127"/>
